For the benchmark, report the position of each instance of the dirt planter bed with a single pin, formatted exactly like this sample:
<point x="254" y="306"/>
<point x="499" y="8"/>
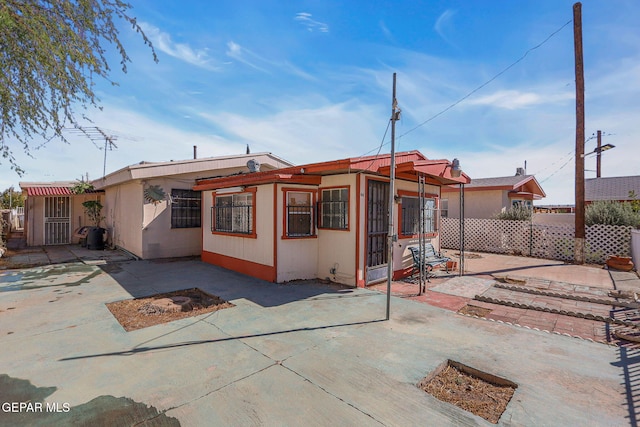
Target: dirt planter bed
<point x="152" y="310"/>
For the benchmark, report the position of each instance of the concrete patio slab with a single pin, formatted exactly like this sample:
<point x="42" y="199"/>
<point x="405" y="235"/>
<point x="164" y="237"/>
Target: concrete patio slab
<point x="303" y="354"/>
<point x="464" y="286"/>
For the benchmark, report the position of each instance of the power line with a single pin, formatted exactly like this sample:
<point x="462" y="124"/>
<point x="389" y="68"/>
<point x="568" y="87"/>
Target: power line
<point x="479" y="87"/>
<point x="593" y="136"/>
<point x="379" y="148"/>
<point x="558" y="170"/>
<point x="488" y="81"/>
<point x="554" y="163"/>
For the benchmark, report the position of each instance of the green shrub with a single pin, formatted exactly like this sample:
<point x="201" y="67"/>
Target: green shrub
<point x="611" y="213"/>
<point x="516" y="213"/>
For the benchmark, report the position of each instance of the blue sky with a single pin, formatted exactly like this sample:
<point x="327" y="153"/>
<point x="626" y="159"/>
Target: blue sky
<point x="311" y="81"/>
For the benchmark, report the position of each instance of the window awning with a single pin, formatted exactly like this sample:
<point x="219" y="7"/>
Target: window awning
<point x="54" y="191"/>
<point x="439" y="171"/>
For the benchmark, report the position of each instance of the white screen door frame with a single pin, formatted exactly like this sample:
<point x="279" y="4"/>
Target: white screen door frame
<point x="57" y="220"/>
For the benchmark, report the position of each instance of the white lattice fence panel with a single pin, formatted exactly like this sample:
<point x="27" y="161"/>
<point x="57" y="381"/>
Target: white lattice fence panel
<point x="483" y="235"/>
<point x="553" y="242"/>
<point x="539" y="240"/>
<point x="450" y="233"/>
<point x="488" y="235"/>
<point x="605" y="240"/>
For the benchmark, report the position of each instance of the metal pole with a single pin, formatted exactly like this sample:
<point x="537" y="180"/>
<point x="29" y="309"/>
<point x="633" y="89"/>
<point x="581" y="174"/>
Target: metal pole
<point x="461" y="271"/>
<point x="421" y="239"/>
<point x="599" y="155"/>
<point x="579" y="184"/>
<point x="392" y="178"/>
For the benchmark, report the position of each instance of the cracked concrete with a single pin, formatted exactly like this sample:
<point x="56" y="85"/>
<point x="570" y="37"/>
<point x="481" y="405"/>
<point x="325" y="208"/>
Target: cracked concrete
<point x="297" y="354"/>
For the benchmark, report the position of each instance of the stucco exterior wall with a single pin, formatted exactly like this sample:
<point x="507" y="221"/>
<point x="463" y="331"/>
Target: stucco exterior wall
<point x="159" y="240"/>
<point x="123" y="211"/>
<point x="337" y="248"/>
<point x="554" y="218"/>
<point x="297" y="257"/>
<point x="253" y="256"/>
<point x="35" y="222"/>
<point x="477" y="204"/>
<point x="339" y="255"/>
<point x="77" y="216"/>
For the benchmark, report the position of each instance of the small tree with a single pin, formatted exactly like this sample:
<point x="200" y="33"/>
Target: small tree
<point x="11" y="198"/>
<point x="52" y="53"/>
<point x="92" y="208"/>
<point x="516" y="213"/>
<point x="609" y="212"/>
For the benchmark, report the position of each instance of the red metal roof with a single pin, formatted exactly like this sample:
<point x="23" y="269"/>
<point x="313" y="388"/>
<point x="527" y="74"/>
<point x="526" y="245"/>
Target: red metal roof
<point x="439" y="170"/>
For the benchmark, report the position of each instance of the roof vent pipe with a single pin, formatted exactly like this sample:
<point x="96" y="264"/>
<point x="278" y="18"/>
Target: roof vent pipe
<point x="195" y="152"/>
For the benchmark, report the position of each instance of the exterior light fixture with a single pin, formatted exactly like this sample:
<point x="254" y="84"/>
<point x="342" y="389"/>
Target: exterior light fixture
<point x="597" y="150"/>
<point x="230" y="190"/>
<point x="455" y="168"/>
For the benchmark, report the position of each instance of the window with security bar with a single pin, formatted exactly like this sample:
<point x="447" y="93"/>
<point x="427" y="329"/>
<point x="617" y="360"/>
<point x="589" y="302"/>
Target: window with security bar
<point x="185" y="208"/>
<point x="444" y="208"/>
<point x="233" y="214"/>
<point x="411" y="215"/>
<point x="299" y="214"/>
<point x="334" y="209"/>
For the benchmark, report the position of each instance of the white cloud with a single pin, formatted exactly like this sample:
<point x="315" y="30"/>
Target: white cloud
<point x="387" y="33"/>
<point x="444" y="25"/>
<point x="305" y="19"/>
<point x="513" y="99"/>
<point x="241" y="54"/>
<point x="306" y="135"/>
<point x="257" y="62"/>
<point x="162" y="41"/>
<point x="138" y="138"/>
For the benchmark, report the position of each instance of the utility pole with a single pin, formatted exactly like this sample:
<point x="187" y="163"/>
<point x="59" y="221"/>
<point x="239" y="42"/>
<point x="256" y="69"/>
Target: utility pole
<point x="391" y="238"/>
<point x="598" y="155"/>
<point x="579" y="256"/>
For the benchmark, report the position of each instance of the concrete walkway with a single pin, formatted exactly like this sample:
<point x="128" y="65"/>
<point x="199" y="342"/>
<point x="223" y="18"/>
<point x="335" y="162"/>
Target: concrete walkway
<point x="480" y="293"/>
<point x="305" y="354"/>
<point x="46" y="255"/>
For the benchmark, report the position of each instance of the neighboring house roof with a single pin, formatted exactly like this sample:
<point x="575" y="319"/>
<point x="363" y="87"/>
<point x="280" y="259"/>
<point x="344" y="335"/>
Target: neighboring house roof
<point x="611" y="188"/>
<point x="59" y="188"/>
<point x="409" y="165"/>
<point x="204" y="166"/>
<point x="516" y="185"/>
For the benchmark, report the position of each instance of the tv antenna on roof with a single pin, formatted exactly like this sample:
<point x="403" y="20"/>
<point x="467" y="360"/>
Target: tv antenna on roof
<point x="94" y="133"/>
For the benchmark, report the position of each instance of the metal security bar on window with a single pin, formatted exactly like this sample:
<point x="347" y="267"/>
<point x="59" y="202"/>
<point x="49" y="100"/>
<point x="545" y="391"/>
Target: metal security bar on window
<point x="185" y="209"/>
<point x="334" y="214"/>
<point x="232" y="219"/>
<point x="299" y="220"/>
<point x="444" y="208"/>
<point x="411" y="215"/>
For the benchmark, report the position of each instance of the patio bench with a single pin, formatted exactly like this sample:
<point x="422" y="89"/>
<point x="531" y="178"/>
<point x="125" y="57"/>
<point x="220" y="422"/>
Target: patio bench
<point x="429" y="259"/>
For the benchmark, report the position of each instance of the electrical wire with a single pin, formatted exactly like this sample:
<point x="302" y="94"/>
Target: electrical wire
<point x="558" y="170"/>
<point x="479" y="87"/>
<point x="382" y="144"/>
<point x="513" y="64"/>
<point x="593" y="136"/>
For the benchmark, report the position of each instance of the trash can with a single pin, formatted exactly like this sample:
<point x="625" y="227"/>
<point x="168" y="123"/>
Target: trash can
<point x="95" y="238"/>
